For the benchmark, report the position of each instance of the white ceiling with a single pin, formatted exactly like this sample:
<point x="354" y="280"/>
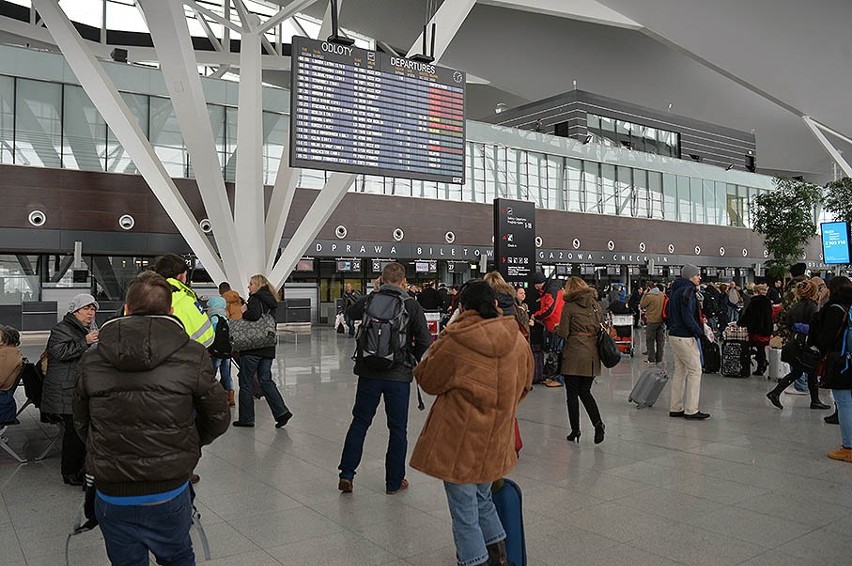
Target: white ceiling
<point x="742" y="64"/>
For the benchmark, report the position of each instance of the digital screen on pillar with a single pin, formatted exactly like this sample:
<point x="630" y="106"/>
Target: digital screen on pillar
<point x="835" y="243"/>
<point x="425" y="267"/>
<point x="305" y="265"/>
<point x="514" y="239"/>
<point x="360" y="111"/>
<point x="349" y="265"/>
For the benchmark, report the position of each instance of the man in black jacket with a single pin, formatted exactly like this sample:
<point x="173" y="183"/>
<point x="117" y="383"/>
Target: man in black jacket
<point x="145" y="403"/>
<point x="393" y="384"/>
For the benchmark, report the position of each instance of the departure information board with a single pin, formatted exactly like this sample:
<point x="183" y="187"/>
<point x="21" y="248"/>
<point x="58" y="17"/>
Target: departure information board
<point x="361" y="111"/>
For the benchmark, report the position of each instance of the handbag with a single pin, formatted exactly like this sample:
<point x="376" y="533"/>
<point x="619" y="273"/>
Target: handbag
<point x="253" y="334"/>
<point x="608" y="350"/>
<point x="796" y="353"/>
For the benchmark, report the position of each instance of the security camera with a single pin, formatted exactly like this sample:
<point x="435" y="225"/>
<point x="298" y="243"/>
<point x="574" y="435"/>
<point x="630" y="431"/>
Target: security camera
<point x="37" y="218"/>
<point x="205" y="226"/>
<point x="126" y="222"/>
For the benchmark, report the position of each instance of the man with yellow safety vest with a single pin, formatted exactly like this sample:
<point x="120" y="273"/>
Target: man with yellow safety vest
<point x="185" y="303"/>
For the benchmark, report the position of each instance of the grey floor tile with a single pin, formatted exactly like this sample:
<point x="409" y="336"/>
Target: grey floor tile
<point x="823" y="546"/>
<point x="791" y="506"/>
<point x="617" y="522"/>
<point x="694" y="546"/>
<point x="408" y="538"/>
<point x="283" y="527"/>
<point x="234" y="506"/>
<point x="11" y="548"/>
<point x="256" y="558"/>
<point x="669" y="504"/>
<point x="625" y="554"/>
<point x="557" y="545"/>
<point x="715" y="489"/>
<point x="556" y="502"/>
<point x="335" y="549"/>
<point x="750" y="526"/>
<point x="776" y="558"/>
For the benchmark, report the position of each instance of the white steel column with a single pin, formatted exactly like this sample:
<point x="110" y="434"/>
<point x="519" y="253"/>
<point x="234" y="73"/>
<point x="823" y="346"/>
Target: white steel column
<point x="248" y="204"/>
<point x="448" y="19"/>
<point x="121" y="120"/>
<point x="816" y="128"/>
<point x="322" y="208"/>
<point x="279" y="205"/>
<point x="170" y="33"/>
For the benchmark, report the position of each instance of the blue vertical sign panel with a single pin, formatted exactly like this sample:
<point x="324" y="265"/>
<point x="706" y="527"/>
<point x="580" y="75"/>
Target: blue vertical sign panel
<point x="835" y="243"/>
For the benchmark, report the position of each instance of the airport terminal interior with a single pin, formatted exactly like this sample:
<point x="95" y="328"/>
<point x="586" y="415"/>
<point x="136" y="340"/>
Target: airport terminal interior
<point x="619" y="143"/>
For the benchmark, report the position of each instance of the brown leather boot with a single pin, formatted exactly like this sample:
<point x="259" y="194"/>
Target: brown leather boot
<point x="231" y="402"/>
<point x="497" y="554"/>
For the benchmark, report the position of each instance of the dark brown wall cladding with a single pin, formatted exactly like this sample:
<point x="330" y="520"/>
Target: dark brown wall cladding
<point x="81" y="200"/>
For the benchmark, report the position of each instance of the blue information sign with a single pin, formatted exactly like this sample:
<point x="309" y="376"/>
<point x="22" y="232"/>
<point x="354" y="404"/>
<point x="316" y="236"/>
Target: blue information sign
<point x="835" y="242"/>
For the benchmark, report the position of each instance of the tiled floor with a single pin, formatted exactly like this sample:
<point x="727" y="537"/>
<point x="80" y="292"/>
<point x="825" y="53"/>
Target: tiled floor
<point x="750" y="486"/>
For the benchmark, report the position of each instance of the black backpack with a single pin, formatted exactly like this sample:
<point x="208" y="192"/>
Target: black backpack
<point x="382" y="338"/>
<point x="221" y="346"/>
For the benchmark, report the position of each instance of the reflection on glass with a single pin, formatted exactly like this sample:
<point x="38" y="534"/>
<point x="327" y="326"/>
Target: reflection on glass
<point x="7" y="118"/>
<point x="38" y="135"/>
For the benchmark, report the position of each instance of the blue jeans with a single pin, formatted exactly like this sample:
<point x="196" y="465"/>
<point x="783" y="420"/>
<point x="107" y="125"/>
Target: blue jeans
<point x="223" y="366"/>
<point x="801" y="384"/>
<point x="396" y="395"/>
<point x="131" y="532"/>
<point x="475" y="521"/>
<point x="249" y="365"/>
<point x="350" y="324"/>
<point x="843" y="399"/>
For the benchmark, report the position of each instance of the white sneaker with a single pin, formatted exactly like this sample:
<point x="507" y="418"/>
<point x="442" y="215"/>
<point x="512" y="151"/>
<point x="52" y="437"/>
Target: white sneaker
<point x="793" y="391"/>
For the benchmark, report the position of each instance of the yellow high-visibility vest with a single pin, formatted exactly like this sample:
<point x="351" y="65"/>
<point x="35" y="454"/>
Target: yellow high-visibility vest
<point x="191" y="313"/>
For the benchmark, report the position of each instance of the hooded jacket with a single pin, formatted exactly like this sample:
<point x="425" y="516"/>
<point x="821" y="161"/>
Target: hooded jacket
<point x="683" y="310"/>
<point x="580" y="323"/>
<point x="757" y="317"/>
<point x="234" y="304"/>
<point x="145" y="403"/>
<point x="479" y="369"/>
<point x="259" y="303"/>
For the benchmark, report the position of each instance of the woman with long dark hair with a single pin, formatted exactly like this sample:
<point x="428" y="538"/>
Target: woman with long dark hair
<point x="479" y="368"/>
<point x="757" y="318"/>
<point x="829" y="335"/>
<point x="579" y="325"/>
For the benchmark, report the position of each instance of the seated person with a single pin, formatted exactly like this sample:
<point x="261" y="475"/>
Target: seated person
<point x="10" y="369"/>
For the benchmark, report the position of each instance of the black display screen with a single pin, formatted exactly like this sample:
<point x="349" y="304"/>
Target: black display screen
<point x="514" y="239"/>
<point x="361" y="111"/>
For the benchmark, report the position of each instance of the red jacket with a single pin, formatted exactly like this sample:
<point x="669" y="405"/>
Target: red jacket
<point x="551" y="320"/>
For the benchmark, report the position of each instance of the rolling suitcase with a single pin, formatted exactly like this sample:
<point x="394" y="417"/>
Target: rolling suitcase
<point x="777" y="368"/>
<point x="736" y="359"/>
<point x="507" y="499"/>
<point x="712" y="357"/>
<point x="648" y="388"/>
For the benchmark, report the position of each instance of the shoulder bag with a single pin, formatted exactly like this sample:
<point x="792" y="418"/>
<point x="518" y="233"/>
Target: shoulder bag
<point x="607" y="348"/>
<point x="253" y="334"/>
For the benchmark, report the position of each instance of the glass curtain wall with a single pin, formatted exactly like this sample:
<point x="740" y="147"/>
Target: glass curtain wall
<point x="56" y="125"/>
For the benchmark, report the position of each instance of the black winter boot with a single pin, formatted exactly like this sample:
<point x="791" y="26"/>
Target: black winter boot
<point x="497" y="554"/>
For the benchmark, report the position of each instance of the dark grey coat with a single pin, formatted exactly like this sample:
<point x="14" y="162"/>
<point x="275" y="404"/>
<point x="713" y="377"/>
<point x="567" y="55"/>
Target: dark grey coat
<point x="66" y="345"/>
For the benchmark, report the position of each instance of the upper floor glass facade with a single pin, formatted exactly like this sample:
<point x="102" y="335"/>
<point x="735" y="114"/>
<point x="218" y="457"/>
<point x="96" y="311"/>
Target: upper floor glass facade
<point x="622" y="133"/>
<point x="53" y="124"/>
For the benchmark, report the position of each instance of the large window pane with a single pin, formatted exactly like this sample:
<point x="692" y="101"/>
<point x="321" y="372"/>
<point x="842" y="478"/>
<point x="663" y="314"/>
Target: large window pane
<point x="697" y="200"/>
<point x="670" y="210"/>
<point x="573" y="183"/>
<point x="591" y="183"/>
<point x="7" y="118"/>
<point x="38" y="112"/>
<point x="734" y="207"/>
<point x="231" y="144"/>
<point x="218" y="116"/>
<point x="719" y="193"/>
<point x="555" y="186"/>
<point x="166" y="137"/>
<point x="118" y="161"/>
<point x="608" y="197"/>
<point x="684" y="202"/>
<point x="274" y="136"/>
<point x="625" y="191"/>
<point x="655" y="194"/>
<point x="18" y="282"/>
<point x="709" y="190"/>
<point x="490" y="173"/>
<point x="640" y="192"/>
<point x="84" y="136"/>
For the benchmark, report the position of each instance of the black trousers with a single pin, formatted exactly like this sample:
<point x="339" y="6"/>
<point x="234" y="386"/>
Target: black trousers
<point x="73" y="448"/>
<point x="795" y="372"/>
<point x="580" y="387"/>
